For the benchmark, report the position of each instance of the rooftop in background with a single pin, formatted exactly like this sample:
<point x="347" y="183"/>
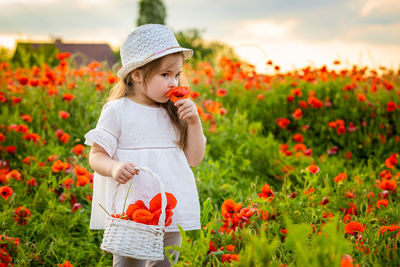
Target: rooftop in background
<point x="84" y="53"/>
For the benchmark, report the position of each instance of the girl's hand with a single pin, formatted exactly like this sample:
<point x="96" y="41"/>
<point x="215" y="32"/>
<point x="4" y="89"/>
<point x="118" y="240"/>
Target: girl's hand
<point x="122" y="172"/>
<point x="187" y="111"/>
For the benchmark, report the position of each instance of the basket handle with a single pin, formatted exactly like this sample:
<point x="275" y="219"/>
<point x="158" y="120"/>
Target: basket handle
<point x="161" y="219"/>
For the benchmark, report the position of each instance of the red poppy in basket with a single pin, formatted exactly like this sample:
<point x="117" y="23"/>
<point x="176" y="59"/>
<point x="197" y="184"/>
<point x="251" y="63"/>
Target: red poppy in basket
<point x="138" y="212"/>
<point x="176" y="93"/>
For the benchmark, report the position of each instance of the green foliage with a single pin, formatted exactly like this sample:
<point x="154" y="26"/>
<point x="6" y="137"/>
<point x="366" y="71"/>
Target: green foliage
<point x="243" y="153"/>
<point x="259" y="250"/>
<point x="5" y="54"/>
<point x="327" y="246"/>
<point x="26" y="56"/>
<point x="203" y="50"/>
<point x="151" y="11"/>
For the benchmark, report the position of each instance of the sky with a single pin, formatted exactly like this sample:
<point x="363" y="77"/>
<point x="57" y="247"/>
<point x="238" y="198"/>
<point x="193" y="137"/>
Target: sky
<point x="291" y="33"/>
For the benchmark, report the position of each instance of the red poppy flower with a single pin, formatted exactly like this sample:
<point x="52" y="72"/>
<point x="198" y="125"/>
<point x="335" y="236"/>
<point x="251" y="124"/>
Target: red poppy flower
<point x="31" y="182"/>
<point x="340" y="177"/>
<point x="390" y="228"/>
<point x="76" y="206"/>
<point x="62" y="56"/>
<point x="313" y="169"/>
<point x="78" y="149"/>
<point x="361" y="97"/>
<point x="314" y="102"/>
<point x="324" y="201"/>
<point x="299" y="147"/>
<point x="5" y="258"/>
<point x="297" y="114"/>
<point x="353" y="227"/>
<point x="298" y="138"/>
<point x="58" y="166"/>
<point x="68" y="97"/>
<point x="260" y="96"/>
<point x="222" y="92"/>
<point x="66" y="263"/>
<point x="28" y="160"/>
<point x="195" y="80"/>
<point x="63" y="114"/>
<point x="26" y="117"/>
<point x="303" y="104"/>
<point x="223" y="111"/>
<point x="327" y="214"/>
<point x="6" y="192"/>
<point x="78" y="170"/>
<point x="382" y="202"/>
<point x="231" y="257"/>
<point x="11" y="149"/>
<point x="82" y="180"/>
<point x="282" y="122"/>
<point x="341" y="130"/>
<point x="133" y="207"/>
<point x="34" y="83"/>
<point x="23" y="80"/>
<point x="177" y="93"/>
<point x="64" y="138"/>
<point x="266" y="192"/>
<point x="246" y="213"/>
<point x="14" y="174"/>
<point x="229" y="207"/>
<point x="346" y="218"/>
<point x="391" y="161"/>
<point x="157" y="214"/>
<point x="212" y="247"/>
<point x="155" y="202"/>
<point x="391" y="106"/>
<point x="59" y="133"/>
<point x="21" y="215"/>
<point x="309" y="191"/>
<point x="296" y="92"/>
<point x="352" y="210"/>
<point x="387" y="185"/>
<point x="142" y="216"/>
<point x="194" y="94"/>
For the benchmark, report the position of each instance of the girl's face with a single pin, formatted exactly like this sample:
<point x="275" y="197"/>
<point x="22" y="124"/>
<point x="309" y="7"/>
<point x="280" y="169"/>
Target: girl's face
<point x="166" y="78"/>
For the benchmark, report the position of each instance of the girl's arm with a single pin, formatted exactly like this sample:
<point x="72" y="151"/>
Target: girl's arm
<point x="196" y="141"/>
<point x="101" y="163"/>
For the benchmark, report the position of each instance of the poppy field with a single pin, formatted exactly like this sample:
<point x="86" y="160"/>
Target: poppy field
<point x="297" y="162"/>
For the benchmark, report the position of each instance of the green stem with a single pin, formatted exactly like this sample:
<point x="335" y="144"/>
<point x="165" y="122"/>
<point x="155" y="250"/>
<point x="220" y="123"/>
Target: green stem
<point x="104" y="209"/>
<point x="126" y="197"/>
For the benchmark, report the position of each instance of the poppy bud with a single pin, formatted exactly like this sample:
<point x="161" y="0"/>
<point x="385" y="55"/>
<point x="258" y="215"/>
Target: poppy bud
<point x="383" y="194"/>
<point x="76" y="206"/>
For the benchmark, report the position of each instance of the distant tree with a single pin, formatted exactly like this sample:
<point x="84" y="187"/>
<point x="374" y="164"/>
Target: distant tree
<point x="151" y="11"/>
<point x="5" y="54"/>
<point x="26" y="56"/>
<point x="204" y="51"/>
<point x="191" y="38"/>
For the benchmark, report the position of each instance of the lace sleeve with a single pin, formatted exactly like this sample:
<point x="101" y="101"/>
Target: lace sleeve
<point x="107" y="130"/>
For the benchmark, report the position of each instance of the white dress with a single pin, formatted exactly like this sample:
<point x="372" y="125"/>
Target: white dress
<point x="143" y="135"/>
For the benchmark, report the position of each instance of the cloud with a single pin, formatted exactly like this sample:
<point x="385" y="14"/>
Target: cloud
<point x="66" y="17"/>
<point x="292" y="29"/>
<point x="379" y="7"/>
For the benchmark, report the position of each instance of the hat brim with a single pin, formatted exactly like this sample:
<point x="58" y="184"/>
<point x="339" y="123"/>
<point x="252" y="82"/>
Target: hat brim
<point x="187" y="53"/>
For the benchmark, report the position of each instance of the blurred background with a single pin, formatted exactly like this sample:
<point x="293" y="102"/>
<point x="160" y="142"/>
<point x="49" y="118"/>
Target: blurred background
<point x="292" y="33"/>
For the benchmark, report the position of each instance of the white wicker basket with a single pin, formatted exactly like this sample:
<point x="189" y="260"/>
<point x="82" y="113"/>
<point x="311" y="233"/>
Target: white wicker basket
<point x="136" y="240"/>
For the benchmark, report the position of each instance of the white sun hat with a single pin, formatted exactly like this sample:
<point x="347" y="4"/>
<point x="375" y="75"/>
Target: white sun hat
<point x="147" y="43"/>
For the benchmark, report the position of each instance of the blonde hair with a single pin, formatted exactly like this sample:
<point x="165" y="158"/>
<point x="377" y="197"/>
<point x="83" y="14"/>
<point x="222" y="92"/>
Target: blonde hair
<point x="125" y="87"/>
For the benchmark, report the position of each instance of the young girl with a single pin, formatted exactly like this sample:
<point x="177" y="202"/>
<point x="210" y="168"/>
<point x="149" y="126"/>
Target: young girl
<point x="140" y="126"/>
